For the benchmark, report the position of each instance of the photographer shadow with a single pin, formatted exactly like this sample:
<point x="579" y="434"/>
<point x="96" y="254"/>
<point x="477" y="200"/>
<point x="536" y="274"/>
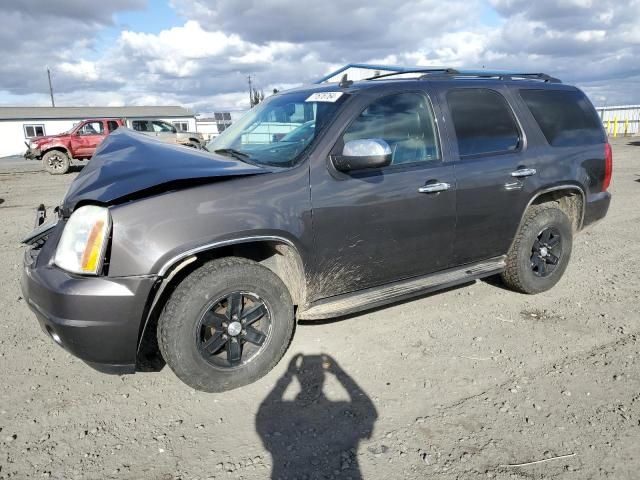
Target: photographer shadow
<point x="312" y="436"/>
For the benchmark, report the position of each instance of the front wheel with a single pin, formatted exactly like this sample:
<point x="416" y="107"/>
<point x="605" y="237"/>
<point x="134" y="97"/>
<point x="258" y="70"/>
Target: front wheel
<point x="56" y="162"/>
<point x="226" y="325"/>
<point x="541" y="250"/>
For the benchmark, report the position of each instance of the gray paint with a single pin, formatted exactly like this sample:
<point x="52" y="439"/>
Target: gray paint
<point x="363" y="230"/>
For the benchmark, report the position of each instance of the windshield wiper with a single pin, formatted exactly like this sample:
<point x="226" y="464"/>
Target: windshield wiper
<point x="232" y="152"/>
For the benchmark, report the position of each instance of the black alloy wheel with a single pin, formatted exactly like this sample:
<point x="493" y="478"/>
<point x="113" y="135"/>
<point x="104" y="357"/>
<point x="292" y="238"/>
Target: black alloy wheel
<point x="546" y="252"/>
<point x="233" y="330"/>
<point x="226" y="324"/>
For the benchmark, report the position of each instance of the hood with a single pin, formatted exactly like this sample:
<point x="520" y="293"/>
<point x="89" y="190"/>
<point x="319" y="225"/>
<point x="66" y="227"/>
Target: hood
<point x="127" y="162"/>
<point x="47" y="138"/>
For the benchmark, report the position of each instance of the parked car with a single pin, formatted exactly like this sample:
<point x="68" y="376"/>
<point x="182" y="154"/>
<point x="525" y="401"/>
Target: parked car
<point x="406" y="186"/>
<point x="56" y="151"/>
<point x="166" y="132"/>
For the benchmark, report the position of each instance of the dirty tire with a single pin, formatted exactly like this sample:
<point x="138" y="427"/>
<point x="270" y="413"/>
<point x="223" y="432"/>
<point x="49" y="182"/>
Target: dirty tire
<point x="56" y="162"/>
<point x="180" y="318"/>
<point x="519" y="274"/>
<point x="193" y="145"/>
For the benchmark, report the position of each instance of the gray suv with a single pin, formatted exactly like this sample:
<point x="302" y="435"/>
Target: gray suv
<point x="387" y="189"/>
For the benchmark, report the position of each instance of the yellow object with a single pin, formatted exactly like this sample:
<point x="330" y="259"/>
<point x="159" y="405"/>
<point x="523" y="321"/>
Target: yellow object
<point x="615" y="127"/>
<point x="91" y="255"/>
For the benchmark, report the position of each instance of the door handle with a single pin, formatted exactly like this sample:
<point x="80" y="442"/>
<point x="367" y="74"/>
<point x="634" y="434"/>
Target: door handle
<point x="434" y="187"/>
<point x="523" y="172"/>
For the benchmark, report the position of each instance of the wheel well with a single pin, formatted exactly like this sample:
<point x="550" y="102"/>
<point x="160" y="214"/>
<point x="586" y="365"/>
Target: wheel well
<point x="195" y="140"/>
<point x="279" y="257"/>
<point x="570" y="201"/>
<point x="59" y="149"/>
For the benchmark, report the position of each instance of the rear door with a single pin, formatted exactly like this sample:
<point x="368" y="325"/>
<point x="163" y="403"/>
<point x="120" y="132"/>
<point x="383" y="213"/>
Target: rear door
<point x="492" y="168"/>
<point x="379" y="225"/>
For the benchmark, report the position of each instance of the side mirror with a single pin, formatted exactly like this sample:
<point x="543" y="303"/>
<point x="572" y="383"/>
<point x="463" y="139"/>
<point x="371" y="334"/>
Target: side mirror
<point x="360" y="154"/>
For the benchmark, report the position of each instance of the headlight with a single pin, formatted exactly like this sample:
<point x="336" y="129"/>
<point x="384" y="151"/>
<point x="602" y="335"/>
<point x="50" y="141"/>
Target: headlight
<point x="84" y="240"/>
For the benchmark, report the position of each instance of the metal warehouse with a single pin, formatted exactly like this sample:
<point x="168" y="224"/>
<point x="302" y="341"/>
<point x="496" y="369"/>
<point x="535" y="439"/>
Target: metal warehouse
<point x="19" y="124"/>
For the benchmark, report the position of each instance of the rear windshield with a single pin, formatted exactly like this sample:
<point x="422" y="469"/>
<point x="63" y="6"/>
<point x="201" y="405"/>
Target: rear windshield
<point x="566" y="117"/>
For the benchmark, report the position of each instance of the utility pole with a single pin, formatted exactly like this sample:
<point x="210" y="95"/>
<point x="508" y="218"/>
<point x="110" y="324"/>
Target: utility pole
<point x="53" y="104"/>
<point x="250" y="91"/>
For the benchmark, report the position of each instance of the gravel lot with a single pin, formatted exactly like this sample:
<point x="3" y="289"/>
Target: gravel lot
<point x="461" y="384"/>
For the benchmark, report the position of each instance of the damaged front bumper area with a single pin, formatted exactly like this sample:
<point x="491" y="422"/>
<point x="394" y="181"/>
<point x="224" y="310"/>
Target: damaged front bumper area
<point x="97" y="319"/>
<point x="32" y="153"/>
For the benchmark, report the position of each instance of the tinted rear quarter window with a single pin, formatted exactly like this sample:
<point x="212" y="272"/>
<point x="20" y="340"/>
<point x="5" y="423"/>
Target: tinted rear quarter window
<point x="566" y="117"/>
<point x="483" y="122"/>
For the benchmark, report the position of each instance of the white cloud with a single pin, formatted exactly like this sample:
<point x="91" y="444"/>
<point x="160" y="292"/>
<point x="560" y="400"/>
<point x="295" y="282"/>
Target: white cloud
<point x="82" y="70"/>
<point x="204" y="62"/>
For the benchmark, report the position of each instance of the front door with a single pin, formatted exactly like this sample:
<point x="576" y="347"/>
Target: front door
<point x="492" y="171"/>
<point x="376" y="226"/>
<point x="88" y="137"/>
<point x="165" y="132"/>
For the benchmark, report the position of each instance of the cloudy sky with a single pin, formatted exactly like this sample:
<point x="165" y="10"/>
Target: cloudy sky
<point x="199" y="52"/>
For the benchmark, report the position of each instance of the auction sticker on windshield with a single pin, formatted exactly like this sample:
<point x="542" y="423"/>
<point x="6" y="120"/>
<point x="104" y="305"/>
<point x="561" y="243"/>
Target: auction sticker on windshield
<point x="324" y="97"/>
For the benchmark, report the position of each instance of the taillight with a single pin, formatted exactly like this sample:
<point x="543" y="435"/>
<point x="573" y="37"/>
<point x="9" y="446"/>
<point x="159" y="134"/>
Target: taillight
<point x="608" y="166"/>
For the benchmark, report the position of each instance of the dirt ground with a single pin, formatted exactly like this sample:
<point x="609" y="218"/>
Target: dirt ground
<point x="462" y="384"/>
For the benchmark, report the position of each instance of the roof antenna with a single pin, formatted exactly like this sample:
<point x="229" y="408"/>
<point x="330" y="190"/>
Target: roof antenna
<point x="345" y="82"/>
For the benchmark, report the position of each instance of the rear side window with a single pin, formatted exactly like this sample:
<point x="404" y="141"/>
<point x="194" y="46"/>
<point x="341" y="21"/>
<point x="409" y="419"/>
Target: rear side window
<point x="112" y="125"/>
<point x="565" y="117"/>
<point x="141" y="126"/>
<point x="483" y="122"/>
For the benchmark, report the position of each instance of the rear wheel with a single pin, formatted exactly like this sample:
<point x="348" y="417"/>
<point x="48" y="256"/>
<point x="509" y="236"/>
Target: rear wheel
<point x="56" y="162"/>
<point x="541" y="250"/>
<point x="226" y="325"/>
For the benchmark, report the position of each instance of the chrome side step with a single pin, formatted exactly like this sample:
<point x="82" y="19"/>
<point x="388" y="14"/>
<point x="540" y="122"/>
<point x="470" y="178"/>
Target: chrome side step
<point x="401" y="290"/>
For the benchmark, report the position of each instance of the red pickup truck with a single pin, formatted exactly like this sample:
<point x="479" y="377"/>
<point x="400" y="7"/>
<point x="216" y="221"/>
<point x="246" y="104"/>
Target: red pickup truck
<point x="56" y="151"/>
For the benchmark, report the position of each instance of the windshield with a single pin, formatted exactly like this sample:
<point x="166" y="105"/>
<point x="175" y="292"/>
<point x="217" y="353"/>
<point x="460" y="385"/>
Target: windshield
<point x="276" y="131"/>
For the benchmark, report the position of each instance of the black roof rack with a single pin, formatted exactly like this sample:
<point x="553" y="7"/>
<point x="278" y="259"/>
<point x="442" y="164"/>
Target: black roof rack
<point x="426" y="71"/>
<point x="431" y="73"/>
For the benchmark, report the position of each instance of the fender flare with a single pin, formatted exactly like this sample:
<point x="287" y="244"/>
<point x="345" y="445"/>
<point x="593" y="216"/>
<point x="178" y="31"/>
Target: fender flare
<point x="567" y="186"/>
<point x="56" y="146"/>
<point x="166" y="266"/>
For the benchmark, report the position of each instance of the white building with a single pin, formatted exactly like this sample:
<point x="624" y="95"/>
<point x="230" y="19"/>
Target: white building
<point x="19" y="124"/>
